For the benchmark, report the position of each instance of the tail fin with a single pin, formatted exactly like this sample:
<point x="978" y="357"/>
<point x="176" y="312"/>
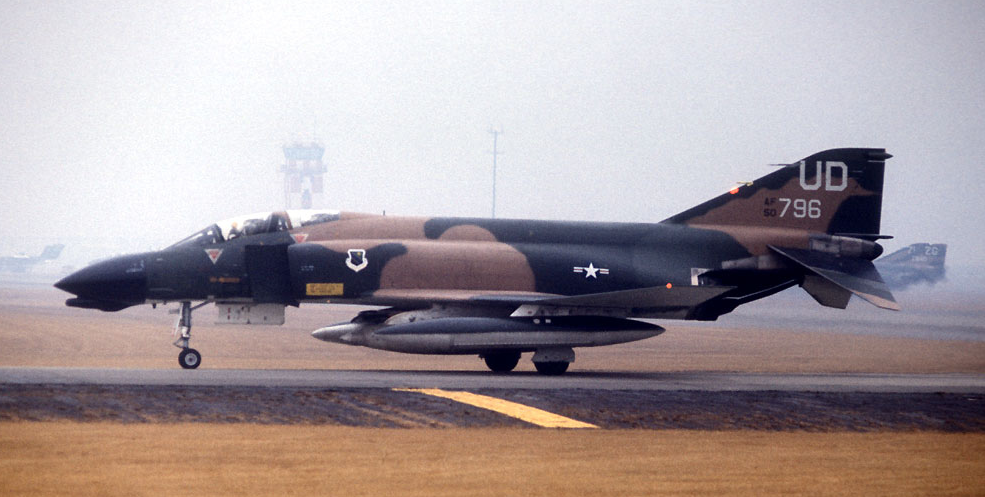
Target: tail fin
<point x="51" y="252"/>
<point x="918" y="263"/>
<point x="918" y="254"/>
<point x="837" y="191"/>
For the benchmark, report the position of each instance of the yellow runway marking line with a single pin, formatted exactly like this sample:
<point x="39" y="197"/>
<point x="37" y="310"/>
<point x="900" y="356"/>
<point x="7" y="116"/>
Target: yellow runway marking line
<point x="522" y="412"/>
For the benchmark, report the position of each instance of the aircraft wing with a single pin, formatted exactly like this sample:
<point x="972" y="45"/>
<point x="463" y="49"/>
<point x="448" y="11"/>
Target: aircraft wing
<point x="416" y="297"/>
<point x="643" y="302"/>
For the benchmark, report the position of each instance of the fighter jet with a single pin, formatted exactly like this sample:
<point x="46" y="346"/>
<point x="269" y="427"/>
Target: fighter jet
<point x="918" y="263"/>
<point x="21" y="263"/>
<point x="498" y="288"/>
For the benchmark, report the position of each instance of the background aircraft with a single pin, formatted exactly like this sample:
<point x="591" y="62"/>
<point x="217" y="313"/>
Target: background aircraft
<point x="499" y="288"/>
<point x="21" y="263"/>
<point x="918" y="263"/>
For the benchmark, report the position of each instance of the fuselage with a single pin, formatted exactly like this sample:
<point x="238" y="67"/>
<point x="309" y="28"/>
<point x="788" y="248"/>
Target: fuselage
<point x="385" y="260"/>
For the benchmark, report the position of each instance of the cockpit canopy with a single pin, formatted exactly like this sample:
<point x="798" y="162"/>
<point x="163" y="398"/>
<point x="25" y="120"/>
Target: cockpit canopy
<point x="255" y="224"/>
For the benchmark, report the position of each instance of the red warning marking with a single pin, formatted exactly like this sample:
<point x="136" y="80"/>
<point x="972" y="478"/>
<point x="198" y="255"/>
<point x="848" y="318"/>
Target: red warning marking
<point x="300" y="237"/>
<point x="213" y="254"/>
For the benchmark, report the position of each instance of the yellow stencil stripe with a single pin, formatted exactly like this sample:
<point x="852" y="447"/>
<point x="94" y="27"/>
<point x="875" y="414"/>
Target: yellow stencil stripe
<point x="324" y="289"/>
<point x="522" y="412"/>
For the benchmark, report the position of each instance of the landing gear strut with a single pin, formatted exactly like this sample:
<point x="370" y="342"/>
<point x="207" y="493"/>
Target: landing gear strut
<point x="188" y="358"/>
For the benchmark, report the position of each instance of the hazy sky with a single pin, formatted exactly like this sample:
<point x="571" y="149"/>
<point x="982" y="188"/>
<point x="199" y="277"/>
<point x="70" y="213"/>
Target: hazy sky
<point x="131" y="124"/>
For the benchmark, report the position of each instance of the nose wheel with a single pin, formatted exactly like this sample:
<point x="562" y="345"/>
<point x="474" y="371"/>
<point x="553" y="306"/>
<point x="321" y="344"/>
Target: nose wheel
<point x="188" y="358"/>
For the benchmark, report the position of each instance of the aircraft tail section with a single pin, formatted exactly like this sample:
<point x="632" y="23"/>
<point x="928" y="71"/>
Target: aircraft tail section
<point x="926" y="254"/>
<point x="51" y="252"/>
<point x="837" y="191"/>
<point x="918" y="263"/>
<point x="834" y="198"/>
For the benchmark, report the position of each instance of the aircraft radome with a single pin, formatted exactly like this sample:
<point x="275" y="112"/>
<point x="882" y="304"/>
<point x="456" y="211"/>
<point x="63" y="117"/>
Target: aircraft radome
<point x="498" y="287"/>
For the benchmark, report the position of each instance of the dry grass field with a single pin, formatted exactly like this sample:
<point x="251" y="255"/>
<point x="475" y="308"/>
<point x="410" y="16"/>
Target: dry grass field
<point x="46" y="459"/>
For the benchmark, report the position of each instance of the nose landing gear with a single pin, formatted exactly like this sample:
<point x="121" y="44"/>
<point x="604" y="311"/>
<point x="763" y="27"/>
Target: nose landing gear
<point x="188" y="358"/>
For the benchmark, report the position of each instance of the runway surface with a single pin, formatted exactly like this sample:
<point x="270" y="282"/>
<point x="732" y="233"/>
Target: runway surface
<point x="59" y="364"/>
<point x="687" y="400"/>
<point x="471" y="380"/>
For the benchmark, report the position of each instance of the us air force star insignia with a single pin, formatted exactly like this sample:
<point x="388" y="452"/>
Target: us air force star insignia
<point x="357" y="260"/>
<point x="591" y="271"/>
<point x="213" y="254"/>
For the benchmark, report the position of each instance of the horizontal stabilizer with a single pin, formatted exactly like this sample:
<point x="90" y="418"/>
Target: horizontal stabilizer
<point x="830" y="278"/>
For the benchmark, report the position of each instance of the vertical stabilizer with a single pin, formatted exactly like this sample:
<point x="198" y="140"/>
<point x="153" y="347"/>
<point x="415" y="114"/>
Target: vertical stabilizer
<point x="837" y="191"/>
<point x="51" y="252"/>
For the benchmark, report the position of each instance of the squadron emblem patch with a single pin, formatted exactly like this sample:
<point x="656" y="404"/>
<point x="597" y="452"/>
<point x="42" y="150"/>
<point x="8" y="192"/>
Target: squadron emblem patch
<point x="357" y="260"/>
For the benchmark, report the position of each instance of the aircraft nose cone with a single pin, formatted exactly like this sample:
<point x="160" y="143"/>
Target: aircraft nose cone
<point x="110" y="283"/>
<point x="70" y="283"/>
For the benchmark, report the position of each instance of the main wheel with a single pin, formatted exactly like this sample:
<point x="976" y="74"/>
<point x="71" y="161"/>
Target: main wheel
<point x="502" y="362"/>
<point x="551" y="368"/>
<point x="189" y="358"/>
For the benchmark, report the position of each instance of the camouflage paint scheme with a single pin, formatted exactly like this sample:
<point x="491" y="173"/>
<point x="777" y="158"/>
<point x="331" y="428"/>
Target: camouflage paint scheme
<point x="499" y="287"/>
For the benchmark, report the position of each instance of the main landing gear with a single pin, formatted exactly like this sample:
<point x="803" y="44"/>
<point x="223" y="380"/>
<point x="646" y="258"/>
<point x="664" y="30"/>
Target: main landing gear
<point x="502" y="362"/>
<point x="549" y="361"/>
<point x="553" y="368"/>
<point x="553" y="361"/>
<point x="188" y="358"/>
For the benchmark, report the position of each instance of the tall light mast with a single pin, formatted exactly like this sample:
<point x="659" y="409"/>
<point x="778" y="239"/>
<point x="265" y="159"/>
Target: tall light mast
<point x="495" y="152"/>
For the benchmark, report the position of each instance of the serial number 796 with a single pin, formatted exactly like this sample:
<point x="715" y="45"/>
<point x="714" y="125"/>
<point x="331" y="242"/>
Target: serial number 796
<point x="796" y="207"/>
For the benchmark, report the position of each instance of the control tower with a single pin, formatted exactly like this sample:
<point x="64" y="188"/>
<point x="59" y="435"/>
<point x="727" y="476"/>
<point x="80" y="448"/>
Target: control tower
<point x="303" y="170"/>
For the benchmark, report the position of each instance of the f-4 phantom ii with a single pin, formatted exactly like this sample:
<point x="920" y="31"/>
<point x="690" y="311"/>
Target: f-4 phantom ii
<point x="498" y="288"/>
